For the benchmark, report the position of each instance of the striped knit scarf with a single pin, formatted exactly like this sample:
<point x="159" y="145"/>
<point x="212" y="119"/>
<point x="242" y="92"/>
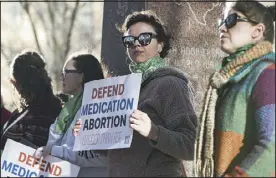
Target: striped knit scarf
<point x="204" y="147"/>
<point x="232" y="57"/>
<point x="147" y="67"/>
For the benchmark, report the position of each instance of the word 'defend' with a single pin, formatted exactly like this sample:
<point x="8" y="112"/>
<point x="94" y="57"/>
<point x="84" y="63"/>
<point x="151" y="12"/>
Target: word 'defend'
<point x="108" y="91"/>
<point x="42" y="164"/>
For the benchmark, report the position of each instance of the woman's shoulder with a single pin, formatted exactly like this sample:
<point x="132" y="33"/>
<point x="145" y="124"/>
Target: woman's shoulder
<point x="171" y="78"/>
<point x="267" y="75"/>
<point x="167" y="76"/>
<point x="50" y="107"/>
<point x="14" y="117"/>
<point x="169" y="82"/>
<point x="15" y="114"/>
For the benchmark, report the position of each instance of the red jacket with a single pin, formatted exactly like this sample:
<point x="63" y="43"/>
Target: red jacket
<point x="5" y="115"/>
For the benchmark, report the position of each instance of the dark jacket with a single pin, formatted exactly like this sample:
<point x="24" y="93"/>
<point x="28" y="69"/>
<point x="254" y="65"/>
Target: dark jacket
<point x="164" y="96"/>
<point x="33" y="123"/>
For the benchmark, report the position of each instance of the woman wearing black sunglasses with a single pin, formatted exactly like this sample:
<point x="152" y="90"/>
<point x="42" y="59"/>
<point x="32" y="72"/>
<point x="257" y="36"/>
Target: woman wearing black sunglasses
<point x="165" y="122"/>
<point x="238" y="120"/>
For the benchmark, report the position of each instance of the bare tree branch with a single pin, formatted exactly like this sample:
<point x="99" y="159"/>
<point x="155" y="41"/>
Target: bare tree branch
<point x="53" y="30"/>
<point x="83" y="4"/>
<point x="45" y="25"/>
<point x="71" y="26"/>
<point x="65" y="10"/>
<point x="26" y="8"/>
<point x="64" y="15"/>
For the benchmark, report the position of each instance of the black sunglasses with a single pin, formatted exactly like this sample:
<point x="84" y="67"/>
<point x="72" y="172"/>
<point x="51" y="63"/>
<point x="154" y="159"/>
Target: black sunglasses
<point x="66" y="71"/>
<point x="232" y="20"/>
<point x="144" y="39"/>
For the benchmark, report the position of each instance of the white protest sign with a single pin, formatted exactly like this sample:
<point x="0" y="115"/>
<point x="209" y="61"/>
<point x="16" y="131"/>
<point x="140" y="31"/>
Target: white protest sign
<point x="17" y="161"/>
<point x="106" y="108"/>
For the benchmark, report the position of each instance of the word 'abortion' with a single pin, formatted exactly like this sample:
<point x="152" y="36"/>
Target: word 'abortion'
<point x="105" y="122"/>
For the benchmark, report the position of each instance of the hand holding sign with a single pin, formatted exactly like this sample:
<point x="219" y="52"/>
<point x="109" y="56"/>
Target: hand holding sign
<point x="77" y="127"/>
<point x="41" y="152"/>
<point x="141" y="122"/>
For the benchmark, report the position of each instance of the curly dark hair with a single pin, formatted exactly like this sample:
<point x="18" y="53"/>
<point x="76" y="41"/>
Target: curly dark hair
<point x="258" y="13"/>
<point x="32" y="80"/>
<point x="151" y="18"/>
<point x="89" y="65"/>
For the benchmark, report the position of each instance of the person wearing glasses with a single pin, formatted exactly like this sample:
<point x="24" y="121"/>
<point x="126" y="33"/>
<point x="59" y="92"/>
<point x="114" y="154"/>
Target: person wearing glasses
<point x="165" y="122"/>
<point x="38" y="106"/>
<point x="78" y="70"/>
<point x="237" y="130"/>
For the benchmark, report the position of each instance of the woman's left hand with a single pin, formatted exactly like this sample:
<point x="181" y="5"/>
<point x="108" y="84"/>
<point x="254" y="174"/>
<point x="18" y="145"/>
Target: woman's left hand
<point x="141" y="122"/>
<point x="41" y="152"/>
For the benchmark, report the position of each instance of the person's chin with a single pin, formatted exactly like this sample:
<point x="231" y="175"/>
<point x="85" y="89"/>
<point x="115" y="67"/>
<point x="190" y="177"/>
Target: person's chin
<point x="140" y="60"/>
<point x="225" y="48"/>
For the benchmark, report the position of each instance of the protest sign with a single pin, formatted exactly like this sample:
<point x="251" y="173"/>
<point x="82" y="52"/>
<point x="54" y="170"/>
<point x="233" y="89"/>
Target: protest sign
<point x="106" y="108"/>
<point x="17" y="161"/>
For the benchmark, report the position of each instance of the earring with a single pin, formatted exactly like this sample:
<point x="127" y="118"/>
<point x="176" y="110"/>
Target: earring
<point x="128" y="61"/>
<point x="160" y="49"/>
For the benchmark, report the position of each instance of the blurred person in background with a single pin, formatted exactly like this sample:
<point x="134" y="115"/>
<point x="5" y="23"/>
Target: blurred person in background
<point x="38" y="108"/>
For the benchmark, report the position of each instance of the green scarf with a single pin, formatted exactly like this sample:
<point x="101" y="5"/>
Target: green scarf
<point x="231" y="57"/>
<point x="68" y="113"/>
<point x="232" y="72"/>
<point x="147" y="67"/>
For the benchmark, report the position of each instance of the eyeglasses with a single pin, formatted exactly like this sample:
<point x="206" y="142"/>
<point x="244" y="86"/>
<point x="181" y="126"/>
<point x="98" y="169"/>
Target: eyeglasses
<point x="144" y="39"/>
<point x="66" y="71"/>
<point x="232" y="20"/>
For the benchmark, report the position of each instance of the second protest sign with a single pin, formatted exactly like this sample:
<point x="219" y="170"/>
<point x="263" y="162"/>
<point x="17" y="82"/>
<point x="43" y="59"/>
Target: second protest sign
<point x="106" y="107"/>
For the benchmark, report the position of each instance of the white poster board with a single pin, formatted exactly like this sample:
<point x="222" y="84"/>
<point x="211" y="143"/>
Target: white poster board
<point x="106" y="108"/>
<point x="17" y="161"/>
